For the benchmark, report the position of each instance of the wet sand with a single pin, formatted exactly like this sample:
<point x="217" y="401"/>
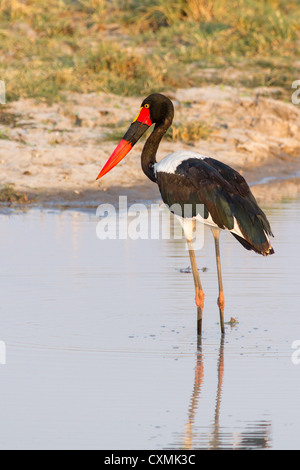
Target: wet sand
<point x="101" y="345"/>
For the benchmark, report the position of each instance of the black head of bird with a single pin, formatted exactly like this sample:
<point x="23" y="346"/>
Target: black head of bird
<point x="155" y="109"/>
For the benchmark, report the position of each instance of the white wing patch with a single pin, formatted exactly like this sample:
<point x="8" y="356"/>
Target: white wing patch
<point x="209" y="221"/>
<point x="170" y="163"/>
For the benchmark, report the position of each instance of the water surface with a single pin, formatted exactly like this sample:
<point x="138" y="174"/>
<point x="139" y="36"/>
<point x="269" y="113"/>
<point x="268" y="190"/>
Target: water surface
<point x="101" y="345"/>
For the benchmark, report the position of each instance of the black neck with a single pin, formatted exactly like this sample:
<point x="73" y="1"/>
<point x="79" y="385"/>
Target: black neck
<point x="150" y="148"/>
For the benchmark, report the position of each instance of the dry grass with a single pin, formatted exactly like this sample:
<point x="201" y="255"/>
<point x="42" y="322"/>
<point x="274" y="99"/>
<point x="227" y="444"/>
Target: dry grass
<point x="189" y="132"/>
<point x="134" y="47"/>
<point x="9" y="195"/>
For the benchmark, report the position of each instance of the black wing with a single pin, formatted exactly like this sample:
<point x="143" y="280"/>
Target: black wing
<point x="226" y="197"/>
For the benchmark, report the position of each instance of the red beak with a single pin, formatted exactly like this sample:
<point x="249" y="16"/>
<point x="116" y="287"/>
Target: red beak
<point x="133" y="134"/>
<point x="119" y="153"/>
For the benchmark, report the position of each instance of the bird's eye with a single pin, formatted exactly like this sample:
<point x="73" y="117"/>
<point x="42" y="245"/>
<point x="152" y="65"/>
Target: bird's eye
<point x="146" y="106"/>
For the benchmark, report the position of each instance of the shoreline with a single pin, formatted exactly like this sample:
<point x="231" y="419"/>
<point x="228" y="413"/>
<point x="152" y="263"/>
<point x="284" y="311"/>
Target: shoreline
<point x="266" y="194"/>
<point x="50" y="155"/>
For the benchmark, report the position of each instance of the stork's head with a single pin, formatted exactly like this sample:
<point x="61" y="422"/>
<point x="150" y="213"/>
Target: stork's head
<point x="155" y="109"/>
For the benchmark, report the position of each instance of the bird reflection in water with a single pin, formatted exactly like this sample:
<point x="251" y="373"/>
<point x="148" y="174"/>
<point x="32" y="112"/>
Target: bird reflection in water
<point x="255" y="435"/>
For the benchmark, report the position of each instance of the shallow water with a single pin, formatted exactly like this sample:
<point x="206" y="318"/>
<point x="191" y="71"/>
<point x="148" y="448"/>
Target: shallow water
<point x="101" y="345"/>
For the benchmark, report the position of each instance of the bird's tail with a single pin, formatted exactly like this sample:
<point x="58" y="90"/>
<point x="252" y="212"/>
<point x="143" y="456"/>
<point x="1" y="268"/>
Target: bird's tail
<point x="266" y="249"/>
<point x="253" y="230"/>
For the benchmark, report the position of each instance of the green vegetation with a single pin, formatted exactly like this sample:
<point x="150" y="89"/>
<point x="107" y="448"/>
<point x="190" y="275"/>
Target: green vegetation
<point x="134" y="47"/>
<point x="9" y="195"/>
<point x="3" y="135"/>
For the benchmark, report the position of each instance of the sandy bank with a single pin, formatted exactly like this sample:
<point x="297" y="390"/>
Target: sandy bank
<point x="54" y="153"/>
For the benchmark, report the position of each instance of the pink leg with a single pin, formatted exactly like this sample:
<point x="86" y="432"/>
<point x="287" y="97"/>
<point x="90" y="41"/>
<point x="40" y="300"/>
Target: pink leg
<point x="199" y="294"/>
<point x="221" y="299"/>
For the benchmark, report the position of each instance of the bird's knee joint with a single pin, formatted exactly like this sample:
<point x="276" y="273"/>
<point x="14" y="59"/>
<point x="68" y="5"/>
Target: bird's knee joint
<point x="221" y="301"/>
<point x="199" y="299"/>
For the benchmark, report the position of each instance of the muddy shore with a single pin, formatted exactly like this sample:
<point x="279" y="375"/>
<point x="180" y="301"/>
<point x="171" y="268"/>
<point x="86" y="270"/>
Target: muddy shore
<point x="53" y="153"/>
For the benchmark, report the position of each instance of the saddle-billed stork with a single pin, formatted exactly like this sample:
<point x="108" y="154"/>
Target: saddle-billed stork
<point x="188" y="178"/>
